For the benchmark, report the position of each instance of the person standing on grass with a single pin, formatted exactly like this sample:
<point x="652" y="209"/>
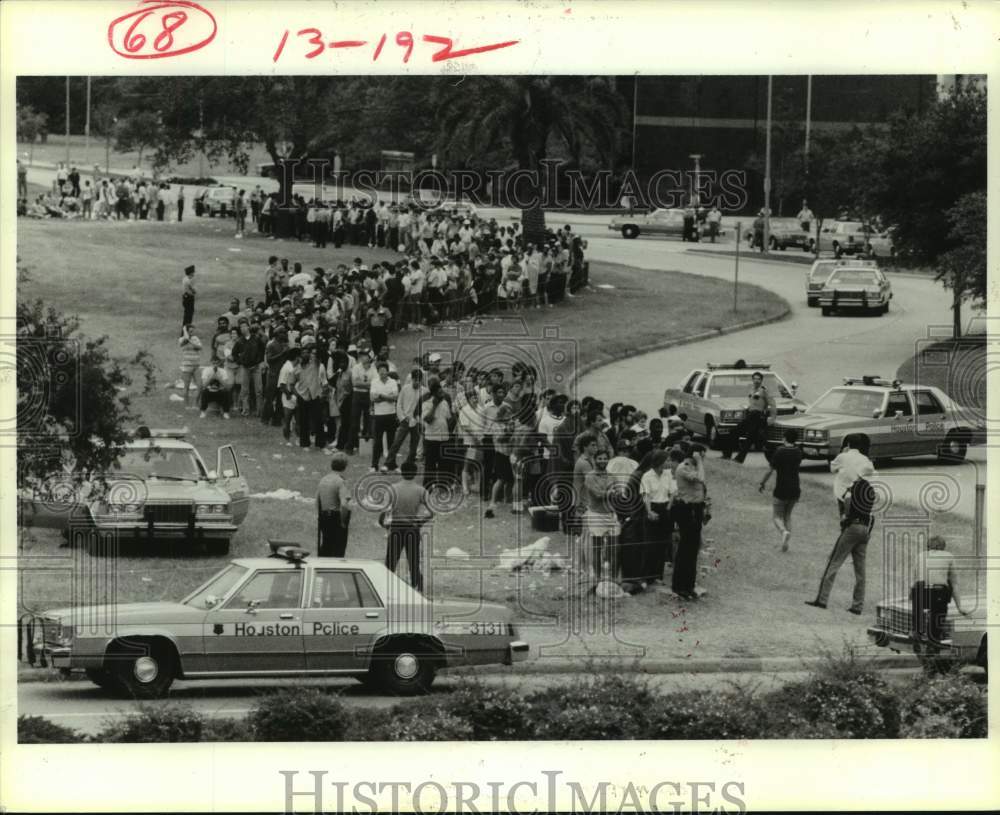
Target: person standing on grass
<point x="275" y="353"/>
<point x="856" y="527"/>
<point x="241" y="213"/>
<point x="333" y="509"/>
<point x="936" y="585"/>
<point x="600" y="530"/>
<point x="187" y="295"/>
<point x="288" y="378"/>
<point x="180" y="203"/>
<point x="190" y="359"/>
<point x="658" y="489"/>
<point x="361" y="383"/>
<point x="411" y="394"/>
<point x="785" y="461"/>
<point x="437" y="419"/>
<point x="851" y="464"/>
<point x="409" y="512"/>
<point x="384" y="393"/>
<point x="760" y="406"/>
<point x="688" y="511"/>
<point x="311" y="388"/>
<point x="714" y="221"/>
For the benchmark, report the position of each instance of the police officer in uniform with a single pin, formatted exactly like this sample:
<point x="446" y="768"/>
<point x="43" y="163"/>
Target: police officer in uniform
<point x="759" y="407"/>
<point x="333" y="508"/>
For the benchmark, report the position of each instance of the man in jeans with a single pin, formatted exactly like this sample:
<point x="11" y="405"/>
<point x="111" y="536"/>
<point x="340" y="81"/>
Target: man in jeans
<point x="248" y="353"/>
<point x="384" y="393"/>
<point x="856" y="527"/>
<point x="408" y="416"/>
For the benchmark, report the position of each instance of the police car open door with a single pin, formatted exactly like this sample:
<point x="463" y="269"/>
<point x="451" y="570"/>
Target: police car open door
<point x="232" y="481"/>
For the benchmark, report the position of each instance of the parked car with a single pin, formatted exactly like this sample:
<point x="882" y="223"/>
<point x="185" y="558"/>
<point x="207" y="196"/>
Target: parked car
<point x="214" y="201"/>
<point x="852" y="286"/>
<point x="714" y="398"/>
<point x="287" y="615"/>
<point x="785" y="232"/>
<point x="821" y="270"/>
<point x="901" y="420"/>
<point x="855" y="238"/>
<point x="668" y="222"/>
<point x="159" y="489"/>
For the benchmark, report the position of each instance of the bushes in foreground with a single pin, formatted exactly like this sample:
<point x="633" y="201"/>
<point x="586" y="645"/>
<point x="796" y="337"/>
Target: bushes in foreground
<point x="844" y="701"/>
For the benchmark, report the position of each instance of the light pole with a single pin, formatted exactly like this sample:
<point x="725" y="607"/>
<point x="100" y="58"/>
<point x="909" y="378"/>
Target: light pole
<point x="86" y="126"/>
<point x="695" y="195"/>
<point x="767" y="170"/>
<point x="67" y="124"/>
<point x="635" y="116"/>
<point x="809" y="104"/>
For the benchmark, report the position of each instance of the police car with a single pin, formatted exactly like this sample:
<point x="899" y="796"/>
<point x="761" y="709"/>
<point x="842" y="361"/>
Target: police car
<point x="822" y="269"/>
<point x="715" y="397"/>
<point x="160" y="488"/>
<point x="856" y="287"/>
<point x="286" y="615"/>
<point x="901" y="420"/>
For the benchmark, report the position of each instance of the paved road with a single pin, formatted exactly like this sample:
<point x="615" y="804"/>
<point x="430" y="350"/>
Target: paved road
<point x="806" y="348"/>
<point x="85" y="707"/>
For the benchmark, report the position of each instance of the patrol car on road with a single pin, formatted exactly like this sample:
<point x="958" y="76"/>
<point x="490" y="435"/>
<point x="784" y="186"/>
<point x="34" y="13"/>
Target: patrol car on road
<point x="714" y="398"/>
<point x="901" y="420"/>
<point x="821" y="270"/>
<point x="287" y="615"/>
<point x="160" y="488"/>
<point x="856" y="287"/>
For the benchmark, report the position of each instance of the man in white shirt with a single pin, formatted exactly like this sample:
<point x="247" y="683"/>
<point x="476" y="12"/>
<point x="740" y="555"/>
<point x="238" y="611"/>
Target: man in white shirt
<point x="852" y="463"/>
<point x="408" y="415"/>
<point x="287" y="379"/>
<point x="384" y="393"/>
<point x="658" y="489"/>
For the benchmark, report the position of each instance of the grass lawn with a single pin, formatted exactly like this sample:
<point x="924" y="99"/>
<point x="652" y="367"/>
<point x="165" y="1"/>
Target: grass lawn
<point x="124" y="280"/>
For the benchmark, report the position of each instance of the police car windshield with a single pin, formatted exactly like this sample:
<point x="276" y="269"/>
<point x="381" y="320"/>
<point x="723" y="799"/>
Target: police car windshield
<point x="854" y="276"/>
<point x="218" y="587"/>
<point x="822" y="270"/>
<point x="739" y="385"/>
<point x="169" y="464"/>
<point x="849" y="402"/>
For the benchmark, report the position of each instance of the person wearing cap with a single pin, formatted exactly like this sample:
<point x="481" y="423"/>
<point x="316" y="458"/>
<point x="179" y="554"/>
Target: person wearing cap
<point x="333" y="506"/>
<point x="361" y="380"/>
<point x="760" y="408"/>
<point x="187" y="295"/>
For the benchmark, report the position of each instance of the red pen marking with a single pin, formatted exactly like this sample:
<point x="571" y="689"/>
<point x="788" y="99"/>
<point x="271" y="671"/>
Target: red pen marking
<point x="346" y="43"/>
<point x="378" y="49"/>
<point x="405" y="38"/>
<point x="181" y="24"/>
<point x="316" y="39"/>
<point x="447" y="53"/>
<point x="281" y="46"/>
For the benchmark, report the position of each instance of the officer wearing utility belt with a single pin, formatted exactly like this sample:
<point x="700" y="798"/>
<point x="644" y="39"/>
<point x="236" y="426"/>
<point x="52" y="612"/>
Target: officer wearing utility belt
<point x="760" y="406"/>
<point x="333" y="505"/>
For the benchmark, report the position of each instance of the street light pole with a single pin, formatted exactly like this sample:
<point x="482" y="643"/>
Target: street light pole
<point x="695" y="196"/>
<point x="767" y="170"/>
<point x="809" y="104"/>
<point x="86" y="126"/>
<point x="67" y="124"/>
<point x="635" y="116"/>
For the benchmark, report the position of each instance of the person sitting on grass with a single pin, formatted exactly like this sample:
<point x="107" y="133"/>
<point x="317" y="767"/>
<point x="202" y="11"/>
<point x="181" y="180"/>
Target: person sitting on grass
<point x="216" y="385"/>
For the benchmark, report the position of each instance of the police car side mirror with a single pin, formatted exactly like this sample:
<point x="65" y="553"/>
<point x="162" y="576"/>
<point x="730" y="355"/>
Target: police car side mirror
<point x="899" y="414"/>
<point x="794" y="387"/>
<point x="212" y="475"/>
<point x="876" y="413"/>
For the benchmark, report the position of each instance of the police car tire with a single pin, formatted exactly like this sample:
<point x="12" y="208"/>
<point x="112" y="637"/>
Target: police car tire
<point x="953" y="449"/>
<point x="101" y="678"/>
<point x="124" y="671"/>
<point x="711" y="434"/>
<point x="827" y="311"/>
<point x="812" y="302"/>
<point x="630" y="231"/>
<point x="385" y="675"/>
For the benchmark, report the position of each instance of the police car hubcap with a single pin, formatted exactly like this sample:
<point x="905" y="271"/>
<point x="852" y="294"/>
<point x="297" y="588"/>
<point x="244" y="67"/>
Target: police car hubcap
<point x="406" y="666"/>
<point x="145" y="669"/>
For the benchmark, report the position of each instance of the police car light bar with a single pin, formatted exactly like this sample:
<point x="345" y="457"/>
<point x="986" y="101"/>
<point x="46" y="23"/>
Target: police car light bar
<point x="873" y="381"/>
<point x="287" y="550"/>
<point x="716" y="366"/>
<point x="143" y="432"/>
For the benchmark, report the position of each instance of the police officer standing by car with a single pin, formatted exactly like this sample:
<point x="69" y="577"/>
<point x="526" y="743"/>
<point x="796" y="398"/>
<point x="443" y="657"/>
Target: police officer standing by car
<point x="333" y="509"/>
<point x="753" y="429"/>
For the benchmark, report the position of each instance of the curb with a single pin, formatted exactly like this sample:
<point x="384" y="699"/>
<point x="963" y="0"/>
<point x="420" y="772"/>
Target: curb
<point x="589" y="367"/>
<point x="541" y="667"/>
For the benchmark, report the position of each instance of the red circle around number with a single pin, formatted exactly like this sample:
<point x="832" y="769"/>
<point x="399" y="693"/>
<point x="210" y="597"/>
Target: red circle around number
<point x="165" y="9"/>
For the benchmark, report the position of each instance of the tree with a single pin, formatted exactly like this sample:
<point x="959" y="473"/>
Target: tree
<point x="73" y="410"/>
<point x="931" y="162"/>
<point x="963" y="268"/>
<point x="525" y="117"/>
<point x="138" y="131"/>
<point x="30" y="125"/>
<point x="105" y="121"/>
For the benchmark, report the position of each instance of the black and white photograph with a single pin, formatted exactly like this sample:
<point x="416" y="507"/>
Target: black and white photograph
<point x="494" y="406"/>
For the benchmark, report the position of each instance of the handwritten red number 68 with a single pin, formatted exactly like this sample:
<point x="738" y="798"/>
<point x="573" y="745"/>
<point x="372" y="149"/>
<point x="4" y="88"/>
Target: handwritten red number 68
<point x="175" y="27"/>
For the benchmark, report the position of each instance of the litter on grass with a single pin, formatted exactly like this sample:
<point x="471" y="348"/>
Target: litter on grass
<point x="281" y="494"/>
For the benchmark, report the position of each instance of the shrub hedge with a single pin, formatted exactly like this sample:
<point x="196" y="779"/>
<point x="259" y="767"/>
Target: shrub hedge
<point x="850" y="703"/>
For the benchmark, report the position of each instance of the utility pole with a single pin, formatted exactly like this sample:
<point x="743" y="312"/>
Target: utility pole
<point x="767" y="169"/>
<point x="695" y="195"/>
<point x="635" y="116"/>
<point x="809" y="102"/>
<point x="201" y="136"/>
<point x="67" y="124"/>
<point x="86" y="126"/>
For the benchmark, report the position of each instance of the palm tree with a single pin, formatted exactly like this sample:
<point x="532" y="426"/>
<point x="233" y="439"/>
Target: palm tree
<point x="525" y="118"/>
